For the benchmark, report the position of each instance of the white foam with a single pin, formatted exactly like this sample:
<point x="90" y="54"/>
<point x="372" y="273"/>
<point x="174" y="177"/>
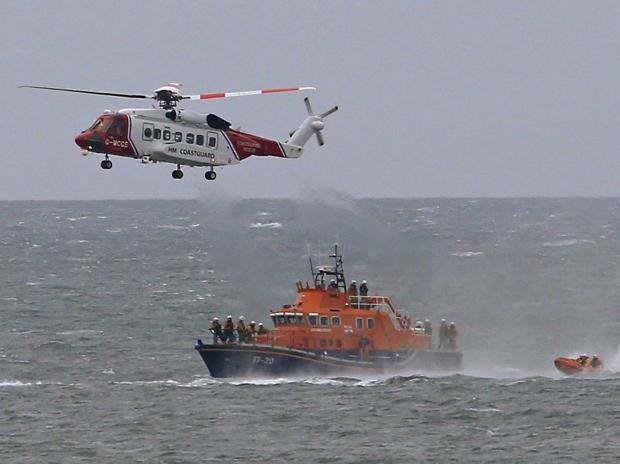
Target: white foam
<point x="265" y="225"/>
<point x="467" y="254"/>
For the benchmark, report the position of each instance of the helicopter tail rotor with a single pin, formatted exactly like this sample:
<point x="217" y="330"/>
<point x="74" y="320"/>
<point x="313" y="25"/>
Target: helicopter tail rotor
<point x="313" y="124"/>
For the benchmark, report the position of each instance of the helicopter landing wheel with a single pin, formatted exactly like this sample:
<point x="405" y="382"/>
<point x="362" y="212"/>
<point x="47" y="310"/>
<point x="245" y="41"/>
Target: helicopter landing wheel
<point x="210" y="175"/>
<point x="177" y="174"/>
<point x="106" y="164"/>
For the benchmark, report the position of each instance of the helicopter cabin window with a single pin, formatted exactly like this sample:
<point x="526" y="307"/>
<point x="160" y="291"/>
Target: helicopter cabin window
<point x="324" y="321"/>
<point x="147" y="131"/>
<point x="370" y="323"/>
<point x="157" y="133"/>
<point x="336" y="321"/>
<point x="212" y="142"/>
<point x="359" y="323"/>
<point x="178" y="137"/>
<point x="200" y="140"/>
<point x="312" y="318"/>
<point x="189" y="138"/>
<point x="166" y="134"/>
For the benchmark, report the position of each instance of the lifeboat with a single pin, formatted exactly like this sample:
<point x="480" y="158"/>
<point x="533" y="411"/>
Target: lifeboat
<point x="583" y="364"/>
<point x="328" y="331"/>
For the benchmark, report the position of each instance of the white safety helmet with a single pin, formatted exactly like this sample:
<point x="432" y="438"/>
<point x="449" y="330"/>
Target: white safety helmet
<point x="353" y="281"/>
<point x="260" y="324"/>
<point x="363" y="281"/>
<point x="452" y="323"/>
<point x="216" y="319"/>
<point x="242" y="318"/>
<point x="443" y="320"/>
<point x="229" y="317"/>
<point x="252" y="322"/>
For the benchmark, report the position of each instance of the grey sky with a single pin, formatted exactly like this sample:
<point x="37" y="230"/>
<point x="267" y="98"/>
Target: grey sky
<point x="462" y="98"/>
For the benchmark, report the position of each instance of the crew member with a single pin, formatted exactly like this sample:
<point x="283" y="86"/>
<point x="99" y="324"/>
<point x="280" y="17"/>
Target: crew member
<point x="241" y="329"/>
<point x="596" y="362"/>
<point x="453" y="332"/>
<point x="251" y="332"/>
<point x="229" y="330"/>
<point x="428" y="328"/>
<point x="261" y="329"/>
<point x="443" y="335"/>
<point x="364" y="288"/>
<point x="216" y="330"/>
<point x="333" y="285"/>
<point x="353" y="298"/>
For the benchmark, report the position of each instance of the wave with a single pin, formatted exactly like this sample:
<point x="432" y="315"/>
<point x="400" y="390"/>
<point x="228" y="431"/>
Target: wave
<point x="265" y="225"/>
<point x="467" y="254"/>
<point x="569" y="242"/>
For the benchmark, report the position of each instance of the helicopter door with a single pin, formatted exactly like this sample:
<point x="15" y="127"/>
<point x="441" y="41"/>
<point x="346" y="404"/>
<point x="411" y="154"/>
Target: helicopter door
<point x="147" y="131"/>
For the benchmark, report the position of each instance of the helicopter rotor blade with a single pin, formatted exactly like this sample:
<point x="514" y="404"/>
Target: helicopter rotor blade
<point x="328" y="112"/>
<point x="209" y="96"/>
<point x="93" y="92"/>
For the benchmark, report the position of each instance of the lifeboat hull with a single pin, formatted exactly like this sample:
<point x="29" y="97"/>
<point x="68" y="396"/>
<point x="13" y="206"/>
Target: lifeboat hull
<point x="268" y="361"/>
<point x="570" y="366"/>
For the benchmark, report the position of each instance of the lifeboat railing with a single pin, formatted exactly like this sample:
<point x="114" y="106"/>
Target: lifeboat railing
<point x="382" y="304"/>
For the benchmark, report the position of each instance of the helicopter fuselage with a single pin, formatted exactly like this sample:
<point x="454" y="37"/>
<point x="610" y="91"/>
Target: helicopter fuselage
<point x="153" y="135"/>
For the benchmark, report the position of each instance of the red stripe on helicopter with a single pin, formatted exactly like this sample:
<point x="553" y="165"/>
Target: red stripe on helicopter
<point x="246" y="145"/>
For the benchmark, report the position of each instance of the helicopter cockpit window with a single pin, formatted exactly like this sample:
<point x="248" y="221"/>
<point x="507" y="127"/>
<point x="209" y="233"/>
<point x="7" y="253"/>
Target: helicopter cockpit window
<point x="166" y="134"/>
<point x="178" y="137"/>
<point x="157" y="133"/>
<point x="118" y="128"/>
<point x="189" y="138"/>
<point x="200" y="139"/>
<point x="95" y="125"/>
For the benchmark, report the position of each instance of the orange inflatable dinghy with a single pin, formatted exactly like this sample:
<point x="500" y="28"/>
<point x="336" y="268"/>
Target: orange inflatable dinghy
<point x="580" y="365"/>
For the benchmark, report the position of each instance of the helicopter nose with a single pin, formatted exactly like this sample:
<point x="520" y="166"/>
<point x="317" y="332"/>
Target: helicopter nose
<point x="82" y="140"/>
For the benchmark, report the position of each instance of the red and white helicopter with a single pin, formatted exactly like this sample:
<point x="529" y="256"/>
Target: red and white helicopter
<point x="183" y="137"/>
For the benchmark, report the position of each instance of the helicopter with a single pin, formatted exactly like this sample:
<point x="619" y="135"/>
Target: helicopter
<point x="183" y="137"/>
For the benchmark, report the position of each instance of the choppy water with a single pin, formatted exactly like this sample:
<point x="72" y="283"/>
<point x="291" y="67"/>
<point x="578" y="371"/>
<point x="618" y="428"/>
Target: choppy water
<point x="102" y="302"/>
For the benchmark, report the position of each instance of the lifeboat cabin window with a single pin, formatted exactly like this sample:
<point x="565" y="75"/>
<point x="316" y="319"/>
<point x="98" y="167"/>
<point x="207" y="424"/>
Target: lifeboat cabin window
<point x="324" y="321"/>
<point x="157" y="133"/>
<point x="371" y="323"/>
<point x="299" y="318"/>
<point x="312" y="318"/>
<point x="336" y="321"/>
<point x="178" y="137"/>
<point x="359" y="323"/>
<point x="290" y="318"/>
<point x="189" y="138"/>
<point x="166" y="134"/>
<point x="200" y="140"/>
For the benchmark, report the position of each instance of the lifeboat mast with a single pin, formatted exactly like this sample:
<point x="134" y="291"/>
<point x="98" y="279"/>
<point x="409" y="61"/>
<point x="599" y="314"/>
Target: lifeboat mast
<point x="336" y="272"/>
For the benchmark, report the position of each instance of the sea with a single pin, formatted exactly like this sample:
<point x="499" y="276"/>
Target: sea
<point x="102" y="303"/>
